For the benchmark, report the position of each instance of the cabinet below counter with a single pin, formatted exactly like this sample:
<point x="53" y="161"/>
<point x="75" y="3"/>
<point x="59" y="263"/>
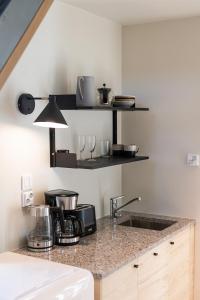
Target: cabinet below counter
<point x="163" y="273"/>
<point x="132" y="263"/>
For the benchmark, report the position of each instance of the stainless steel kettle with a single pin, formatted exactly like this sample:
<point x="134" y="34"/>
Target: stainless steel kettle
<point x="40" y="236"/>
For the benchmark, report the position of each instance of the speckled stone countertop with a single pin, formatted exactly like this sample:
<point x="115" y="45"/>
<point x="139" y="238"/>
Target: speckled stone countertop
<point x="112" y="246"/>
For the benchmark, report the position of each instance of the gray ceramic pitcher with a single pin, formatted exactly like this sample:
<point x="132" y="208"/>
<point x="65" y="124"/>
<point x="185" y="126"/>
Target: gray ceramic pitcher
<point x="85" y="93"/>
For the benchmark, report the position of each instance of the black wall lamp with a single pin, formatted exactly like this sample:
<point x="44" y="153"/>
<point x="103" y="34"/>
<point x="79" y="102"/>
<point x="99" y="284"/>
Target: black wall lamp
<point x="50" y="117"/>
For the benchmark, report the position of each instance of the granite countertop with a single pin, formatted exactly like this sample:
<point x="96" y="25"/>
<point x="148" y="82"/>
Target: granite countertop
<point x="112" y="246"/>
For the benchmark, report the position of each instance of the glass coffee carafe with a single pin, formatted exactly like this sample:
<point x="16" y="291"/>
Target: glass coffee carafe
<point x="68" y="229"/>
<point x="40" y="236"/>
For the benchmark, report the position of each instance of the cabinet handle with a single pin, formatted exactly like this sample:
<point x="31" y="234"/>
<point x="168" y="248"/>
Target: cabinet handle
<point x="172" y="243"/>
<point x="136" y="266"/>
<point x="155" y="254"/>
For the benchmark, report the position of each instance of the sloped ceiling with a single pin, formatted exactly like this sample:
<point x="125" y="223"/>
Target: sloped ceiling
<point x="139" y="11"/>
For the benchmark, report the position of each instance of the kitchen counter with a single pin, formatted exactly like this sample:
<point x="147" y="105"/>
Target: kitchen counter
<point x="112" y="246"/>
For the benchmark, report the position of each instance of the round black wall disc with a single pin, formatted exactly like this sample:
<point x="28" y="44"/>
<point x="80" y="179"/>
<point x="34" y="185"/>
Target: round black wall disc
<point x="26" y="104"/>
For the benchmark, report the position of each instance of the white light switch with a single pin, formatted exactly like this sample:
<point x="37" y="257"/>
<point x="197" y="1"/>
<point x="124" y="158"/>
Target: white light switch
<point x="193" y="160"/>
<point x="26" y="182"/>
<point x="26" y="190"/>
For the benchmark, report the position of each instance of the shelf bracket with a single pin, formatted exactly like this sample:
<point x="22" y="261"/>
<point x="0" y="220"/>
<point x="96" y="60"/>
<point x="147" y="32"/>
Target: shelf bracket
<point x="52" y="142"/>
<point x="114" y="121"/>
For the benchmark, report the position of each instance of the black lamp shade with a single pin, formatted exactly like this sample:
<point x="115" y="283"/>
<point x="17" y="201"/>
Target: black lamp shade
<point x="51" y="116"/>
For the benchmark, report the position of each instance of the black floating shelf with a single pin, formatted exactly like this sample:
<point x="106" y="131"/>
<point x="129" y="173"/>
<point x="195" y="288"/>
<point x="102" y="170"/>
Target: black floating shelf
<point x="68" y="102"/>
<point x="108" y="162"/>
<point x="99" y="162"/>
<point x="110" y="108"/>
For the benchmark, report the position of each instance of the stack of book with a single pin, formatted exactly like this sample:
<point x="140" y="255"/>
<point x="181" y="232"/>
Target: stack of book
<point x="123" y="101"/>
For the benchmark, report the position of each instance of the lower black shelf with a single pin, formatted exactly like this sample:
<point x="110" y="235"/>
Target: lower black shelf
<point x="64" y="159"/>
<point x="101" y="162"/>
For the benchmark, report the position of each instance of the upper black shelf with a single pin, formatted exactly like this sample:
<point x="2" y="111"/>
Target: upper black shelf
<point x="109" y="108"/>
<point x="68" y="102"/>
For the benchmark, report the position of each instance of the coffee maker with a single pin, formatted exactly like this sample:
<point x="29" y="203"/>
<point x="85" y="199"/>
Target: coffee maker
<point x="80" y="218"/>
<point x="67" y="228"/>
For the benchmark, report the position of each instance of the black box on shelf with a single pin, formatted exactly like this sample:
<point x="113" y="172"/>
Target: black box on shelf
<point x="66" y="159"/>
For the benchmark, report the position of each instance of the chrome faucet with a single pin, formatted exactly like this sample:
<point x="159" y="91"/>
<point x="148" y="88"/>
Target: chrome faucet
<point x="114" y="207"/>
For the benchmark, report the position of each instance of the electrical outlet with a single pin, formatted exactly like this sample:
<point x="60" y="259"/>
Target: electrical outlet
<point x="27" y="198"/>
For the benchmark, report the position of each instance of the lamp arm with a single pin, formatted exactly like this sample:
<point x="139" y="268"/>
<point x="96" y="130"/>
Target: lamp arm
<point x="40" y="98"/>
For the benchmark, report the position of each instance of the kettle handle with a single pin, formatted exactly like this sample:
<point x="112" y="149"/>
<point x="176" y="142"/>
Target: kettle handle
<point x="80" y="87"/>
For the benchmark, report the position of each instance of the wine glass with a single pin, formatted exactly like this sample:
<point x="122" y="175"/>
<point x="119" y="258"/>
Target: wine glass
<point x="91" y="145"/>
<point x="81" y="144"/>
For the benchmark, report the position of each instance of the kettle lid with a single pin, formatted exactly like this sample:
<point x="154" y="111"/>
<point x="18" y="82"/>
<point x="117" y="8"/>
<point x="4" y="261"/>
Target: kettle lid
<point x="39" y="210"/>
<point x="61" y="193"/>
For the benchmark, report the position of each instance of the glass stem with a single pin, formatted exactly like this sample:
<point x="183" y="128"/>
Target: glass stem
<point x="91" y="154"/>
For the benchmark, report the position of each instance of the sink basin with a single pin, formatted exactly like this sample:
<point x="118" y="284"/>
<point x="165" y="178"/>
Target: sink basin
<point x="26" y="278"/>
<point x="147" y="223"/>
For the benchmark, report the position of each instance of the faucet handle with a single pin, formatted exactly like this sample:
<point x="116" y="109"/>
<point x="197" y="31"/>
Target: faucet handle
<point x="113" y="205"/>
<point x="114" y="199"/>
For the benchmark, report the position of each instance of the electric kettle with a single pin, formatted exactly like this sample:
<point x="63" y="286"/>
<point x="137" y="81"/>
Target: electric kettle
<point x="40" y="237"/>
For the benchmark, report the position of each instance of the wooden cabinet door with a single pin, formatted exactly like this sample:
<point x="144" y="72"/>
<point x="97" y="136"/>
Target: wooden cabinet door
<point x="154" y="288"/>
<point x="120" y="285"/>
<point x="152" y="274"/>
<point x="181" y="264"/>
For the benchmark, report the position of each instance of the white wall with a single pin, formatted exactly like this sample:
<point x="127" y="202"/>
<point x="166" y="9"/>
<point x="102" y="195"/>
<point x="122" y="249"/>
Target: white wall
<point x="69" y="42"/>
<point x="161" y="66"/>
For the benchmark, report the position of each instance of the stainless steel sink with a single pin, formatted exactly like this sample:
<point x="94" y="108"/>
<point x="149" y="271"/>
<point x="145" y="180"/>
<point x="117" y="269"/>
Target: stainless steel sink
<point x="146" y="223"/>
